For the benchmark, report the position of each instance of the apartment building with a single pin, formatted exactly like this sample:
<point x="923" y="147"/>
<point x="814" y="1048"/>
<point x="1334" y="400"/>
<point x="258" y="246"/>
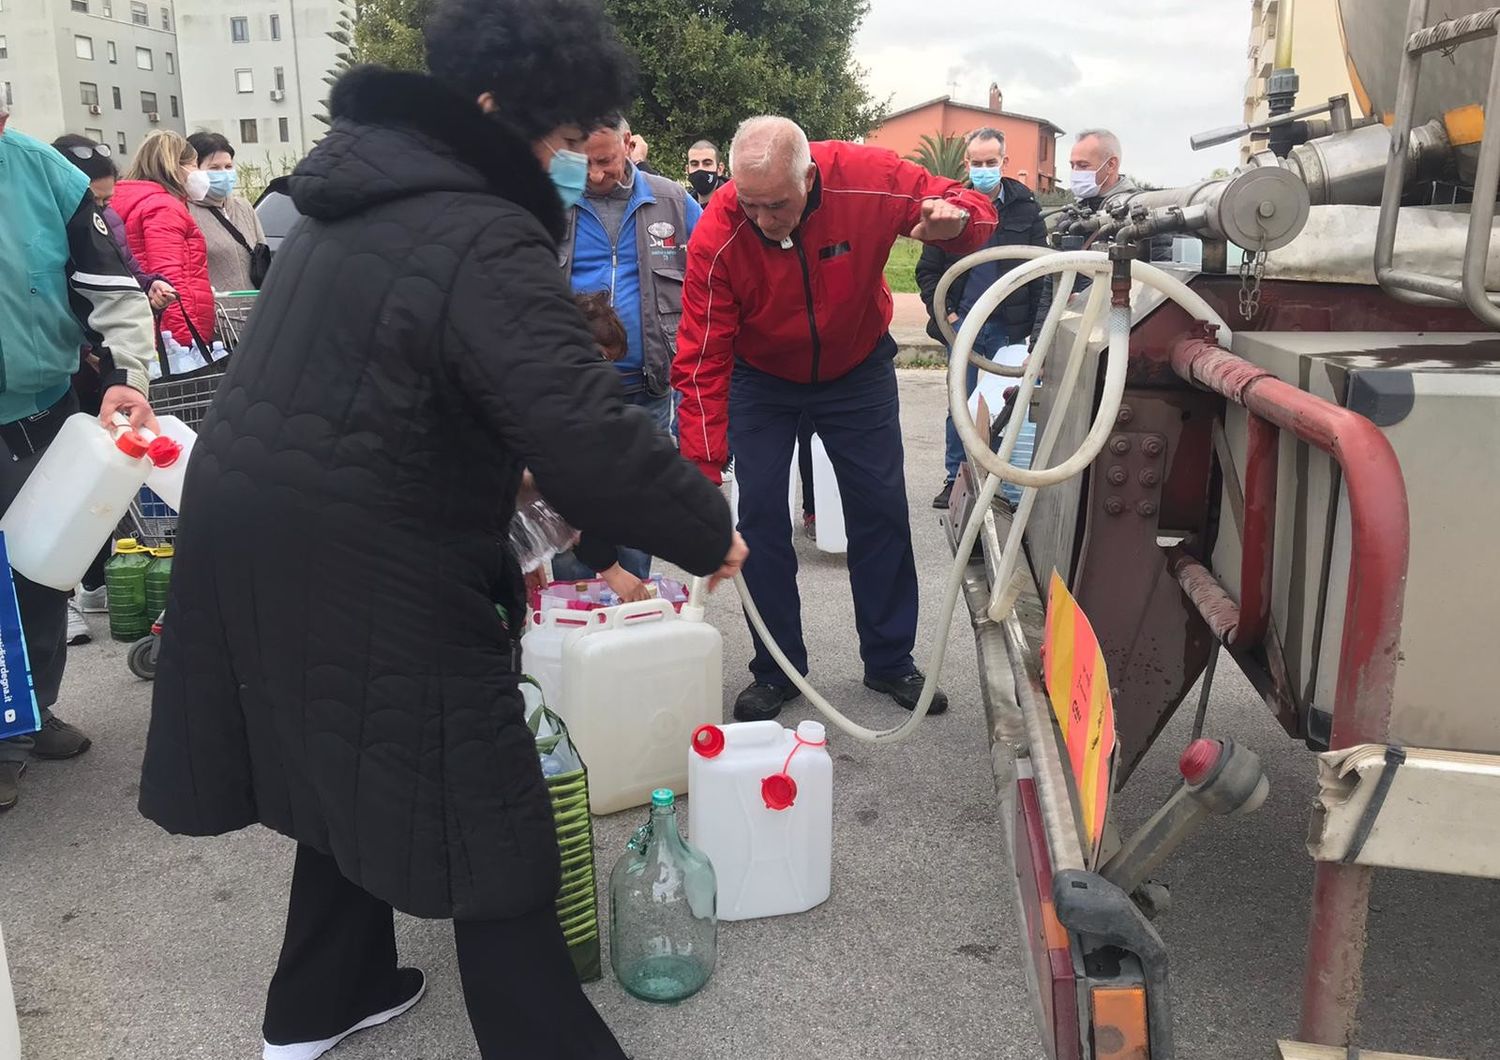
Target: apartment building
<point x="1317" y="55"/>
<point x="104" y="68"/>
<point x="254" y="71"/>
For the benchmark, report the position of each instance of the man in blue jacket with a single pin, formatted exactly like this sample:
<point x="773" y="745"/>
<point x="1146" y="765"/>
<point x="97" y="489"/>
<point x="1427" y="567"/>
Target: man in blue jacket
<point x="628" y="235"/>
<point x="63" y="284"/>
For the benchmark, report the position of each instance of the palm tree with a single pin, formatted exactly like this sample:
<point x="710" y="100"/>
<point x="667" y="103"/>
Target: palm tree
<point x="942" y="156"/>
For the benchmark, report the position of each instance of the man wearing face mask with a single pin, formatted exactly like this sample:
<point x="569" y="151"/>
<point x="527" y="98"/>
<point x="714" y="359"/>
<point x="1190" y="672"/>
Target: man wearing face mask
<point x="237" y="251"/>
<point x="1020" y="224"/>
<point x="705" y="171"/>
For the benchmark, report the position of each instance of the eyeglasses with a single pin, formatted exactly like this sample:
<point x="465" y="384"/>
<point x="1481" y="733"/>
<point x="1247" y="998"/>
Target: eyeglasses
<point x="86" y="153"/>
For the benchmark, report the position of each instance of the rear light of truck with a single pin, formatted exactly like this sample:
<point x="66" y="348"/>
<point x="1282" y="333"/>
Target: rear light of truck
<point x="1119" y="1023"/>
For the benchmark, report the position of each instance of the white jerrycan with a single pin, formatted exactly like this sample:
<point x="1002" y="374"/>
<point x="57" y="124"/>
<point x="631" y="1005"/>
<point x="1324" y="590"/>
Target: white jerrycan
<point x="165" y="479"/>
<point x="762" y="810"/>
<point x="639" y="680"/>
<point x="10" y="1031"/>
<point x="831" y="536"/>
<point x="72" y="501"/>
<point x="542" y="649"/>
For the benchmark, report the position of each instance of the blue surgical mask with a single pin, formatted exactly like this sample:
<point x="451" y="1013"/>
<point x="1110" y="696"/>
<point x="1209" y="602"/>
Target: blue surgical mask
<point x="221" y="183"/>
<point x="984" y="178"/>
<point x="569" y="171"/>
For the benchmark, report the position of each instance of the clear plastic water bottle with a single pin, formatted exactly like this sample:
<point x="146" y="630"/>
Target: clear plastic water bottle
<point x="552" y="766"/>
<point x="537" y="533"/>
<point x="219" y="352"/>
<point x="663" y="929"/>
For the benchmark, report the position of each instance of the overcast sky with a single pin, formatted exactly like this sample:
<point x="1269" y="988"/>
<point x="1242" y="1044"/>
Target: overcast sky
<point x="1154" y="71"/>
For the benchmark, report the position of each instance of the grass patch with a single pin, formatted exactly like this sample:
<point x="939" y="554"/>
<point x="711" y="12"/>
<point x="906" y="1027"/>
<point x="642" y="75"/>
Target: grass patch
<point x="900" y="268"/>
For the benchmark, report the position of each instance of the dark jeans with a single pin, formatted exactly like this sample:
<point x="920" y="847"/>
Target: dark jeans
<point x="805" y="465"/>
<point x="858" y="418"/>
<point x="44" y="611"/>
<point x="338" y="965"/>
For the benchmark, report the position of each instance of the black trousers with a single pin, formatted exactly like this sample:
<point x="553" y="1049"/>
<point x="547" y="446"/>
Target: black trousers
<point x="338" y="966"/>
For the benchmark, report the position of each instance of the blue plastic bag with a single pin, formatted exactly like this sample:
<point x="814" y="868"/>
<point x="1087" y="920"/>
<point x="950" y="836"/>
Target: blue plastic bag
<point x="19" y="714"/>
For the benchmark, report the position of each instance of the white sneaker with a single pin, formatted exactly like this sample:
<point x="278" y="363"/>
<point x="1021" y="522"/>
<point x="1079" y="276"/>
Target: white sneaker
<point x="92" y="601"/>
<point x="313" y="1050"/>
<point x="78" y="629"/>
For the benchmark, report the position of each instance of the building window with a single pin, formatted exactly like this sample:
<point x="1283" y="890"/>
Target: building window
<point x="83" y="47"/>
<point x="9" y="98"/>
<point x="143" y="59"/>
<point x="120" y="143"/>
<point x="166" y="19"/>
<point x="249" y="131"/>
<point x="244" y="81"/>
<point x="148" y="102"/>
<point x="139" y="14"/>
<point x="115" y="94"/>
<point x="96" y="135"/>
<point x="275" y="27"/>
<point x="88" y="93"/>
<point x="284" y="127"/>
<point x="109" y="50"/>
<point x="280" y="79"/>
<point x="108" y="9"/>
<point x="171" y="64"/>
<point x="239" y="30"/>
<point x="175" y="112"/>
<point x="4" y="49"/>
<point x="81" y="6"/>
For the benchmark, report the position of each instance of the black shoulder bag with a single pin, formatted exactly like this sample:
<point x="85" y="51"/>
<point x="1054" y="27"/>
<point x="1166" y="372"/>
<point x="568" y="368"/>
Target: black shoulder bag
<point x="260" y="254"/>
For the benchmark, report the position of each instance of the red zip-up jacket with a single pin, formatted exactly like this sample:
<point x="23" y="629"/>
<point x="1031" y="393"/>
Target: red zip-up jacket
<point x="811" y="313"/>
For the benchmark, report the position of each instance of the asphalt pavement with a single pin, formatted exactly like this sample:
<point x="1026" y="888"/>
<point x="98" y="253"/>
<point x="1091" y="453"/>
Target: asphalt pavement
<point x="128" y="944"/>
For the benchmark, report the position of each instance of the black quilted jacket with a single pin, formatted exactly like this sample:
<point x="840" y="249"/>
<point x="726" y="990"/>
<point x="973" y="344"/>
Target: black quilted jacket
<point x="333" y="664"/>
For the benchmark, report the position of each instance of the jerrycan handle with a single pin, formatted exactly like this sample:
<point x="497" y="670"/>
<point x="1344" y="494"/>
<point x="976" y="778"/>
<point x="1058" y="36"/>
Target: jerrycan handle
<point x="632" y="614"/>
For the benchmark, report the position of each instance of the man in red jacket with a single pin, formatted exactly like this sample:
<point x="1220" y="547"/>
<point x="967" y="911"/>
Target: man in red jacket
<point x="786" y="313"/>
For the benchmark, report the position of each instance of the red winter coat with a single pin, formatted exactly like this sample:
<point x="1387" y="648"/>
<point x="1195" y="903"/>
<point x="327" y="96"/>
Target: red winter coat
<point x="166" y="240"/>
<point x="812" y="313"/>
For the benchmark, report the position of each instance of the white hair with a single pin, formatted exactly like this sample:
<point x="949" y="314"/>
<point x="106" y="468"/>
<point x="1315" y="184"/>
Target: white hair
<point x="1108" y="140"/>
<point x="766" y="141"/>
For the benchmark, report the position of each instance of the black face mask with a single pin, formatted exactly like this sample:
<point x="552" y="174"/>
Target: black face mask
<point x="705" y="182"/>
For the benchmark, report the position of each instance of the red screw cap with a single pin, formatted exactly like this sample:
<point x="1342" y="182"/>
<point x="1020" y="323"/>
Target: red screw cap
<point x="1199" y="760"/>
<point x="708" y="740"/>
<point x="779" y="791"/>
<point x="132" y="445"/>
<point x="163" y="451"/>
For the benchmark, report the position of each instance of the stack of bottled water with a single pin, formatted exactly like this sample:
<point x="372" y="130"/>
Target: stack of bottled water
<point x="183" y="359"/>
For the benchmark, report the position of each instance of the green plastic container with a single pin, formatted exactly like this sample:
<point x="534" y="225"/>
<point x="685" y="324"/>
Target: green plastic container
<point x="125" y="587"/>
<point x="158" y="579"/>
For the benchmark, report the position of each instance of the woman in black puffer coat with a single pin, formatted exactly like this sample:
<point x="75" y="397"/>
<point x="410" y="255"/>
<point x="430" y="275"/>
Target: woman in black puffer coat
<point x="334" y="666"/>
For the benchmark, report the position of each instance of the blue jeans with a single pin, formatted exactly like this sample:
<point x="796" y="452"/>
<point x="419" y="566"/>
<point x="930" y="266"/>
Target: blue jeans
<point x="660" y="409"/>
<point x="991" y="338"/>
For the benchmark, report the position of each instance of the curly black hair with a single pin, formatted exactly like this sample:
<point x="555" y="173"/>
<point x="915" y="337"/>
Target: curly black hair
<point x="546" y="62"/>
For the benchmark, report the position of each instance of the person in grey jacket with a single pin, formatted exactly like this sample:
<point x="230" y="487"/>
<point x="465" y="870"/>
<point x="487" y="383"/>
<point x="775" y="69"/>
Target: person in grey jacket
<point x="70" y="288"/>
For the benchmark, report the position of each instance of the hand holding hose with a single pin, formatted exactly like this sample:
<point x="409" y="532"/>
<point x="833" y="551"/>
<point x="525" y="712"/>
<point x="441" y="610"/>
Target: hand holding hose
<point x="733" y="561"/>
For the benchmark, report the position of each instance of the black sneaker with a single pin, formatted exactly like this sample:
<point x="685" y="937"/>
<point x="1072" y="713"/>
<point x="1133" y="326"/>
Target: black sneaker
<point x="10" y="783"/>
<point x="411" y="985"/>
<point x="762" y="702"/>
<point x="907" y="690"/>
<point x="941" y="500"/>
<point x="57" y="739"/>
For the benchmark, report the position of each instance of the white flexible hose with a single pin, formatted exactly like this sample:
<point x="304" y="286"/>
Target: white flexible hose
<point x="1070" y="265"/>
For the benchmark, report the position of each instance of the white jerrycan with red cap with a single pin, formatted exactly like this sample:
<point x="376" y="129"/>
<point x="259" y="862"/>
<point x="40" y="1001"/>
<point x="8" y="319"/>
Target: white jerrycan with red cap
<point x="762" y="810"/>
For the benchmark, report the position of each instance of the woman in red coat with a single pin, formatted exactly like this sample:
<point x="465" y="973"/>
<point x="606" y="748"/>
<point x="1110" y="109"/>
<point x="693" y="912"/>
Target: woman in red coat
<point x="152" y="201"/>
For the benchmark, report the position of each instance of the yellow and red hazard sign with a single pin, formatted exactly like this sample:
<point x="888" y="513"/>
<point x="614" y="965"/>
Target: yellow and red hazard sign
<point x="1078" y="687"/>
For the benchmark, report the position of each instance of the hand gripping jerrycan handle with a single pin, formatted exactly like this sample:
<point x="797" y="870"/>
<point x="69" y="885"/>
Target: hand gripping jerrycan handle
<point x="630" y="614"/>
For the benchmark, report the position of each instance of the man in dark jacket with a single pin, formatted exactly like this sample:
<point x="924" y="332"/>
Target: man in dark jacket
<point x="786" y="314"/>
<point x="336" y="665"/>
<point x="1020" y="224"/>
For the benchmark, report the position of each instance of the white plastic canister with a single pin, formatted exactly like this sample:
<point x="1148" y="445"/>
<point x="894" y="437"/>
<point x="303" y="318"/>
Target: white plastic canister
<point x="542" y="649"/>
<point x="762" y="810"/>
<point x="10" y="1031"/>
<point x="166" y="479"/>
<point x="639" y="680"/>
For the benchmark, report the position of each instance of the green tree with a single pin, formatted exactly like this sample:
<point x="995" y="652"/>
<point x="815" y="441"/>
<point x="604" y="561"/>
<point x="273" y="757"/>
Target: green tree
<point x="389" y="32"/>
<point x="942" y="156"/>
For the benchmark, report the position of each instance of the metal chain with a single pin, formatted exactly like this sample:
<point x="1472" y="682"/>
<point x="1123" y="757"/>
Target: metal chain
<point x="1252" y="271"/>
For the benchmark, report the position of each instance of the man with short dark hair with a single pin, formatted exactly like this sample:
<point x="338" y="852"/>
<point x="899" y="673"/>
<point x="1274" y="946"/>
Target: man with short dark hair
<point x="705" y="170"/>
<point x="1011" y="322"/>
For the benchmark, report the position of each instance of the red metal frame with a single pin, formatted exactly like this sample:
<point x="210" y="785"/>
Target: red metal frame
<point x="1379" y="550"/>
<point x="1050" y="945"/>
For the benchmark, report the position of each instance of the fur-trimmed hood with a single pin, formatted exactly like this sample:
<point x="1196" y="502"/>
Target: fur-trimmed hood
<point x="400" y="134"/>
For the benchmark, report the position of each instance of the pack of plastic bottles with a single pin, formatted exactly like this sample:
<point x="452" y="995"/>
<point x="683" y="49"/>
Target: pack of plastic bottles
<point x="537" y="533"/>
<point x="183" y="359"/>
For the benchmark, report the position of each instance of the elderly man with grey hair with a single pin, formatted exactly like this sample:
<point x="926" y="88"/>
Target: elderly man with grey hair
<point x="786" y="314"/>
<point x="1095" y="167"/>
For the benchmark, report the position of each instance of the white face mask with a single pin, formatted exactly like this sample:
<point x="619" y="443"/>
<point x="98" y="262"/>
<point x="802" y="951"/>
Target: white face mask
<point x="1084" y="183"/>
<point x="197" y="184"/>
